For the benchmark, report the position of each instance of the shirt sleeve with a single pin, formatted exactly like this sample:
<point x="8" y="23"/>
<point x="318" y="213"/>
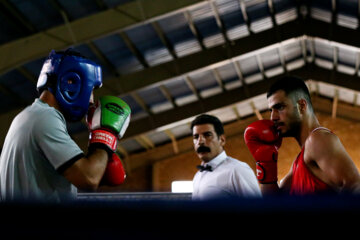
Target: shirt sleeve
<point x="245" y="182"/>
<point x="54" y="141"/>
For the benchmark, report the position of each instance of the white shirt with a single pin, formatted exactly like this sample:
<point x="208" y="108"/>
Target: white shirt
<point x="229" y="178"/>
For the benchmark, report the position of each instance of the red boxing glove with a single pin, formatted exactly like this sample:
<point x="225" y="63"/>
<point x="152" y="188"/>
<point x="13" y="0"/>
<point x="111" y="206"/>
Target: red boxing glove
<point x="263" y="141"/>
<point x="114" y="172"/>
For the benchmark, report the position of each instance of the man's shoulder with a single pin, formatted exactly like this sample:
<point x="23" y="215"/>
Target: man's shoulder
<point x="237" y="164"/>
<point x="43" y="117"/>
<point x="43" y="110"/>
<point x="321" y="139"/>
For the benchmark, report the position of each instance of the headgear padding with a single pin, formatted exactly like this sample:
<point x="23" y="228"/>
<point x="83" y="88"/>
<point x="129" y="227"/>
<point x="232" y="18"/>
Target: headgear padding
<point x="71" y="78"/>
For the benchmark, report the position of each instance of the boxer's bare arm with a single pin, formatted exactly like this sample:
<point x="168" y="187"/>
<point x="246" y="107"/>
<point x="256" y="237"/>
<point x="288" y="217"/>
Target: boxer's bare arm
<point x="285" y="183"/>
<point x="282" y="187"/>
<point x="86" y="173"/>
<point x="328" y="160"/>
<point x="269" y="189"/>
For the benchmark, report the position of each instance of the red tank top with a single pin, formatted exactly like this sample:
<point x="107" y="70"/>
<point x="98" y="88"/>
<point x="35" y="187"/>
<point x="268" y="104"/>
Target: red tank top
<point x="303" y="181"/>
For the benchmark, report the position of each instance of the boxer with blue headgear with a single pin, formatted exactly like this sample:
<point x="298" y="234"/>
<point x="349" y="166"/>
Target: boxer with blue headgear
<point x="39" y="159"/>
<point x="71" y="78"/>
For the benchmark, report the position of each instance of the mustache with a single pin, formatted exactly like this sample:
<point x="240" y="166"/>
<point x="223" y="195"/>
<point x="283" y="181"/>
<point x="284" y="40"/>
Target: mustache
<point x="203" y="149"/>
<point x="278" y="124"/>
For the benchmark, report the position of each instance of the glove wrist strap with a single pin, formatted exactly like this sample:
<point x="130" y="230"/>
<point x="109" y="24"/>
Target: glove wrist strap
<point x="266" y="172"/>
<point x="103" y="137"/>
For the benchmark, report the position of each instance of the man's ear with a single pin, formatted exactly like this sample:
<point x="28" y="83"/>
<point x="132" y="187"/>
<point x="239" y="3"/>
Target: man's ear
<point x="222" y="140"/>
<point x="302" y="105"/>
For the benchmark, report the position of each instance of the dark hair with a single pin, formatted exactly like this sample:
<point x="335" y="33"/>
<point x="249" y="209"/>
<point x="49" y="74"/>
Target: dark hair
<point x="291" y="85"/>
<point x="205" y="119"/>
<point x="71" y="52"/>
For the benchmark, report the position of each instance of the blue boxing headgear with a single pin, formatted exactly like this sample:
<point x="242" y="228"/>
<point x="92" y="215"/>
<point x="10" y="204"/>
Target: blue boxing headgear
<point x="71" y="78"/>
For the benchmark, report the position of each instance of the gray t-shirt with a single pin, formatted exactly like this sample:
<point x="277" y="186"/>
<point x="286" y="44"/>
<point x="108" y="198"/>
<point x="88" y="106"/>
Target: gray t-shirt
<point x="36" y="149"/>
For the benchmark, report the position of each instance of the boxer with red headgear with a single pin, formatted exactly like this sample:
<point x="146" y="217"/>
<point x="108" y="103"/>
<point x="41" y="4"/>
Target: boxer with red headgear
<point x="39" y="160"/>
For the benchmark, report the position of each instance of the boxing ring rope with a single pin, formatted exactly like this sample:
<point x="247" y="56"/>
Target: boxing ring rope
<point x="135" y="196"/>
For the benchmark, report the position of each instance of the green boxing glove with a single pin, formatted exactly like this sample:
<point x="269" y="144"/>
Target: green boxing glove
<point x="107" y="120"/>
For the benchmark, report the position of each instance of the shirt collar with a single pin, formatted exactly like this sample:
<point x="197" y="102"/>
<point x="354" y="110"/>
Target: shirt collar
<point x="217" y="160"/>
